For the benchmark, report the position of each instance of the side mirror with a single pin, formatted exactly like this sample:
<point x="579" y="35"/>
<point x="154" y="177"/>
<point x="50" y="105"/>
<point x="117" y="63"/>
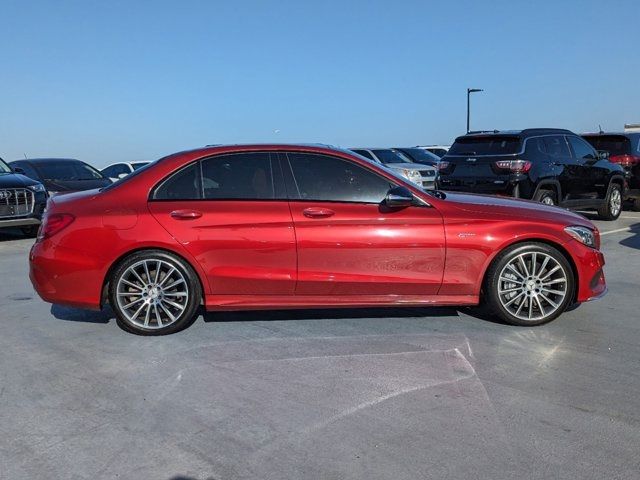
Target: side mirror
<point x="603" y="155"/>
<point x="18" y="170"/>
<point x="399" y="197"/>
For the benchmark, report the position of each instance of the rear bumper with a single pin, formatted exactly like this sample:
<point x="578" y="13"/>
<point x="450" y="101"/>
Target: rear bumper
<point x="19" y="222"/>
<point x="65" y="276"/>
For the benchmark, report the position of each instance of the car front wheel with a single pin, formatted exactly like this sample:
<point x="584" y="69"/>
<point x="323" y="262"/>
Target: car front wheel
<point x="154" y="293"/>
<point x="529" y="284"/>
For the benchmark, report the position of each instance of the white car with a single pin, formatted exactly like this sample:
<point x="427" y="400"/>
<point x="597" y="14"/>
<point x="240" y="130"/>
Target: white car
<point x="116" y="171"/>
<point x="422" y="175"/>
<point x="439" y="150"/>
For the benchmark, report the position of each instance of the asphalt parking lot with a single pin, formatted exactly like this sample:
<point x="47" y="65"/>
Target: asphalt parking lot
<point x="340" y="394"/>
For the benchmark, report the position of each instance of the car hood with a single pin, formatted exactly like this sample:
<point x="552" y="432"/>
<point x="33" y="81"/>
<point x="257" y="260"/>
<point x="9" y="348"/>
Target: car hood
<point x="75" y="185"/>
<point x="511" y="207"/>
<point x="15" y="180"/>
<point x="410" y="166"/>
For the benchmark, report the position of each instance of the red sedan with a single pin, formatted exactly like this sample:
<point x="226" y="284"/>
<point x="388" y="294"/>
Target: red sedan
<point x="274" y="226"/>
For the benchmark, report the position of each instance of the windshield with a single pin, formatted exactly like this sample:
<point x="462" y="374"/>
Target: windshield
<point x="614" y="144"/>
<point x="67" y="170"/>
<point x="138" y="165"/>
<point x="419" y="155"/>
<point x="4" y="168"/>
<point x="391" y="156"/>
<point x="489" y="145"/>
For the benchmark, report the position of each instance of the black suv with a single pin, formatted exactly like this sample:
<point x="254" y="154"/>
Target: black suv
<point x="22" y="200"/>
<point x="548" y="165"/>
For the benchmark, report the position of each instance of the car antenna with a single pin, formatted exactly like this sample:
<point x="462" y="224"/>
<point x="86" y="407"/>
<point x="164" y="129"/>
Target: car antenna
<point x="25" y="156"/>
<point x="600" y="127"/>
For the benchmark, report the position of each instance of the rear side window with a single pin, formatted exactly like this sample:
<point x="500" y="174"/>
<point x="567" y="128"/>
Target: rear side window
<point x="489" y="145"/>
<point x="246" y="176"/>
<point x="614" y="144"/>
<point x="324" y="178"/>
<point x="581" y="149"/>
<point x="182" y="185"/>
<point x="556" y="146"/>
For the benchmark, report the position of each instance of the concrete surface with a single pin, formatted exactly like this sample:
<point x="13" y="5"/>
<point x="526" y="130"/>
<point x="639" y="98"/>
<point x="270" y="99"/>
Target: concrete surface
<point x="367" y="394"/>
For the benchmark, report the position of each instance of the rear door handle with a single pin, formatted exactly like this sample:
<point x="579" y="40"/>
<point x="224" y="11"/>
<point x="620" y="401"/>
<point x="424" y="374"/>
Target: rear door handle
<point x="314" y="212"/>
<point x="185" y="214"/>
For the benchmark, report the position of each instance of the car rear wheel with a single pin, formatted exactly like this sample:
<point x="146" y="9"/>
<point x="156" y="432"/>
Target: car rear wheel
<point x="612" y="208"/>
<point x="529" y="284"/>
<point x="548" y="197"/>
<point x="154" y="293"/>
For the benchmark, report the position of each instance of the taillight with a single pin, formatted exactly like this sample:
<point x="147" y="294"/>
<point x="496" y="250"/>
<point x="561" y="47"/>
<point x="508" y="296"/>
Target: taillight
<point x="625" y="160"/>
<point x="514" y="166"/>
<point x="443" y="165"/>
<point x="54" y="223"/>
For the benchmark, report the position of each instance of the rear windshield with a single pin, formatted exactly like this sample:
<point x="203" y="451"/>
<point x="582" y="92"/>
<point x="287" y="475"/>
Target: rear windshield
<point x="420" y="156"/>
<point x="390" y="156"/>
<point x="65" y="170"/>
<point x="614" y="144"/>
<point x="490" y="145"/>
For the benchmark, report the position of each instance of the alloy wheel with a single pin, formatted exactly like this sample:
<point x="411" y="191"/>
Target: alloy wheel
<point x="152" y="294"/>
<point x="615" y="202"/>
<point x="532" y="286"/>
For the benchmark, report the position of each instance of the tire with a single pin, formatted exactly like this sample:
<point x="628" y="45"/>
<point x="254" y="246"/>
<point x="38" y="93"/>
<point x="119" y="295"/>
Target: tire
<point x="524" y="297"/>
<point x="548" y="197"/>
<point x="153" y="292"/>
<point x="612" y="208"/>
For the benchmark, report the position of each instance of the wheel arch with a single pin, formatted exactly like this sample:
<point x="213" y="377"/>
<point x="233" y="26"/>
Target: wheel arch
<point x="104" y="293"/>
<point x="520" y="241"/>
<point x="545" y="184"/>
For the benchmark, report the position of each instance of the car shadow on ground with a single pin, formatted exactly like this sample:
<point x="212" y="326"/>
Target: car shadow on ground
<point x="71" y="314"/>
<point x="634" y="240"/>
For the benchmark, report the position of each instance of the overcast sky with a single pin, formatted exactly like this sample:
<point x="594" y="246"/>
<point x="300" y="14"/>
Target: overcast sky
<point x="132" y="80"/>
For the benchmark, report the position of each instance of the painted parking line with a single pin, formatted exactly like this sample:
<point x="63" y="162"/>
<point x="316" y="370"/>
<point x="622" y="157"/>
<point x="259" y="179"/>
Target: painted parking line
<point x="618" y="230"/>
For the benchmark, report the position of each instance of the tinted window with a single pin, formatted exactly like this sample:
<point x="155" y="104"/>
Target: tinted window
<point x="489" y="145"/>
<point x="581" y="149"/>
<point x="614" y="144"/>
<point x="364" y="153"/>
<point x="440" y="152"/>
<point x="420" y="155"/>
<point x="239" y="176"/>
<point x="556" y="146"/>
<point x="67" y="170"/>
<point x="319" y="177"/>
<point x="115" y="170"/>
<point x="391" y="156"/>
<point x="28" y="170"/>
<point x="182" y="185"/>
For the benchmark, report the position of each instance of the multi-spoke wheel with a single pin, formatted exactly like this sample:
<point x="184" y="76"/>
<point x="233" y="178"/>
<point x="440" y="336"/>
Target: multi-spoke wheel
<point x="613" y="206"/>
<point x="529" y="284"/>
<point x="154" y="293"/>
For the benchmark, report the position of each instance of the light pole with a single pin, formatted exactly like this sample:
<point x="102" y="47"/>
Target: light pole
<point x="469" y="92"/>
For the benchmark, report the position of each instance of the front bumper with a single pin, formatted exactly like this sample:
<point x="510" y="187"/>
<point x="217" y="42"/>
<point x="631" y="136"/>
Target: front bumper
<point x="589" y="264"/>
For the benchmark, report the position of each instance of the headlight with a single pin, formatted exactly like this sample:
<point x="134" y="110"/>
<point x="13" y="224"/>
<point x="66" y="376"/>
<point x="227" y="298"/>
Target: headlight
<point x="412" y="175"/>
<point x="583" y="235"/>
<point x="38" y="187"/>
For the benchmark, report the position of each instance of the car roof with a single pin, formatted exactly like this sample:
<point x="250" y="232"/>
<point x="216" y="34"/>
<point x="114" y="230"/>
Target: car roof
<point x="527" y="132"/>
<point x="47" y="160"/>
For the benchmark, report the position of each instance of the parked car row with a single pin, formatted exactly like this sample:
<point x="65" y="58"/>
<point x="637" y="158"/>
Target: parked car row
<point x="423" y="172"/>
<point x="551" y="166"/>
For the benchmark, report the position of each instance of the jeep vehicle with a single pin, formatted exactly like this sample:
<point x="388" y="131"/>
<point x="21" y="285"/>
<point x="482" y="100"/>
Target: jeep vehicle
<point x="624" y="149"/>
<point x="22" y="200"/>
<point x="552" y="166"/>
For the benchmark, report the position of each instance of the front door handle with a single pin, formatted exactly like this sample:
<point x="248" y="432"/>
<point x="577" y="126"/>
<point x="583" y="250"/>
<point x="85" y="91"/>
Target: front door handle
<point x="185" y="214"/>
<point x="314" y="212"/>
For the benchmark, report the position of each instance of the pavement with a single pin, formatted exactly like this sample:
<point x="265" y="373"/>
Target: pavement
<point x="341" y="394"/>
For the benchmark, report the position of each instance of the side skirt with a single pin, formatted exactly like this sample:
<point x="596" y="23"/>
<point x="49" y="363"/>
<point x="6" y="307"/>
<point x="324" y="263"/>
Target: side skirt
<point x="266" y="302"/>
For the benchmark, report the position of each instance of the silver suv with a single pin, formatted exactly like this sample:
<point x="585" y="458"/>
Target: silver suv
<point x="422" y="175"/>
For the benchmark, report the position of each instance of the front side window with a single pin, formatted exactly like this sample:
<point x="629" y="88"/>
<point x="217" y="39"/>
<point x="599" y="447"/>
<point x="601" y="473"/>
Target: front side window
<point x="246" y="176"/>
<point x="556" y="146"/>
<point x="324" y="178"/>
<point x="581" y="149"/>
